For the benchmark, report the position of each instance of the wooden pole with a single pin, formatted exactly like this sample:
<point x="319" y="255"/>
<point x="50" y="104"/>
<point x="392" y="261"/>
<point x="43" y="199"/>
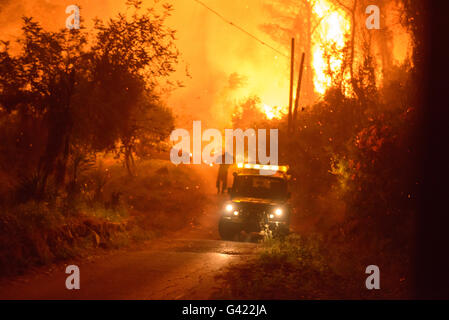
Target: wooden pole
<point x="290" y="100"/>
<point x="298" y="89"/>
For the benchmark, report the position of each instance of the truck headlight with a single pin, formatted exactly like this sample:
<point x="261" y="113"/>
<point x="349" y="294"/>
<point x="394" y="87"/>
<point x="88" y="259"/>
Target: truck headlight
<point x="278" y="212"/>
<point x="229" y="207"/>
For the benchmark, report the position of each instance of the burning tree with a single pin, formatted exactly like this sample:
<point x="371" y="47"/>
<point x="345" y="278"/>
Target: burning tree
<point x="84" y="90"/>
<point x="333" y="36"/>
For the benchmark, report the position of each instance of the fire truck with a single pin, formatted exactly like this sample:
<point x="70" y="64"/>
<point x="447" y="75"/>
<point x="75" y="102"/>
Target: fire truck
<point x="258" y="203"/>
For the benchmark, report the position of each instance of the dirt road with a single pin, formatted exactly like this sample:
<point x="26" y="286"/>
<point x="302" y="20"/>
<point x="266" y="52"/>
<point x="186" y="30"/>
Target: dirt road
<point x="166" y="269"/>
<point x="182" y="265"/>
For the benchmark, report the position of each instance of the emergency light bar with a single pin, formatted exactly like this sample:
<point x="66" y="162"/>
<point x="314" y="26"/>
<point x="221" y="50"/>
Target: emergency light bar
<point x="262" y="167"/>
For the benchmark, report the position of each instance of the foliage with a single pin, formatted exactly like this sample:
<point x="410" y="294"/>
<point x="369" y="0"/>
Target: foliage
<point x="114" y="211"/>
<point x="296" y="268"/>
<point x="352" y="158"/>
<point x="69" y="101"/>
<point x="71" y="93"/>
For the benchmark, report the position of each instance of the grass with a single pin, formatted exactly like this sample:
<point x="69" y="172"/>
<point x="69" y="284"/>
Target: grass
<point x="295" y="268"/>
<point x="112" y="211"/>
<point x="313" y="266"/>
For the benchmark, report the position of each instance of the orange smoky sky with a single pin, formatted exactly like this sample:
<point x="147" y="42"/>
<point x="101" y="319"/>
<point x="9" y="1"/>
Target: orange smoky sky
<point x="219" y="64"/>
<point x="224" y="65"/>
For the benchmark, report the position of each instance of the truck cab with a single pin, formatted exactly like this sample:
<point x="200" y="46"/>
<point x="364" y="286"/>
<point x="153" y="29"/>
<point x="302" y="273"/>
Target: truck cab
<point x="258" y="202"/>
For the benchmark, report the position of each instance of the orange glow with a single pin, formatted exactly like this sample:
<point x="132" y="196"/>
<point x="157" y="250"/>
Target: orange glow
<point x="212" y="50"/>
<point x="332" y="30"/>
<point x="272" y="112"/>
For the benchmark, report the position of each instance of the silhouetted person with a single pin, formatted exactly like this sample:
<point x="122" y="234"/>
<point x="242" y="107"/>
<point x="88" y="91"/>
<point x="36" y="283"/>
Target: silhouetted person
<point x="222" y="177"/>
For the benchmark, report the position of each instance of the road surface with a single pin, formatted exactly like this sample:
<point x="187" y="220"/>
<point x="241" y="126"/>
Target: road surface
<point x="182" y="265"/>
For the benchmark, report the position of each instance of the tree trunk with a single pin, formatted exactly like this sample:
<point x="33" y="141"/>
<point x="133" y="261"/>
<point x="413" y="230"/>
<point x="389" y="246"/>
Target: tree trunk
<point x="354" y="84"/>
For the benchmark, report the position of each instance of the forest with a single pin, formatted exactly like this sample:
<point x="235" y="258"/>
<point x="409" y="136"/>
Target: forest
<point x="83" y="112"/>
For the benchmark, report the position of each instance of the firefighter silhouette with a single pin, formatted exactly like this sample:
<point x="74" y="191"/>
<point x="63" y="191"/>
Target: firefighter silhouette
<point x="225" y="160"/>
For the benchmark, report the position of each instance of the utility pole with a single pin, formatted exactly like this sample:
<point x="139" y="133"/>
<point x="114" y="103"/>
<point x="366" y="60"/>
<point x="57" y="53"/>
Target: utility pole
<point x="290" y="101"/>
<point x="298" y="89"/>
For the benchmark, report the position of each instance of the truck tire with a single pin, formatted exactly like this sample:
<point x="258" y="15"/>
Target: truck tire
<point x="281" y="232"/>
<point x="227" y="230"/>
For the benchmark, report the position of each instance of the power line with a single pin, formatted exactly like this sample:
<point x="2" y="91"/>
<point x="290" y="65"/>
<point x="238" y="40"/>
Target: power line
<point x="240" y="28"/>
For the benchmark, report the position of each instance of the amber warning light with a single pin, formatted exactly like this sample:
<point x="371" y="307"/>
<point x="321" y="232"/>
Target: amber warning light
<point x="262" y="167"/>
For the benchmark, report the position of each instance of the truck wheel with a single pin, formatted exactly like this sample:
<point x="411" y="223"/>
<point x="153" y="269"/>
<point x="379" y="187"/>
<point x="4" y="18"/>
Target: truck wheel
<point x="226" y="230"/>
<point x="281" y="232"/>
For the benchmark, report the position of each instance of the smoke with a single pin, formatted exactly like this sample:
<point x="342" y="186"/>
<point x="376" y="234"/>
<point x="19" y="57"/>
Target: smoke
<point x="226" y="64"/>
<point x="220" y="65"/>
<point x="214" y="54"/>
<point x="50" y="13"/>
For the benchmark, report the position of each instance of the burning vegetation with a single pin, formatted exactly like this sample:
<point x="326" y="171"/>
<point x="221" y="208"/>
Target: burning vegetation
<point x="112" y="91"/>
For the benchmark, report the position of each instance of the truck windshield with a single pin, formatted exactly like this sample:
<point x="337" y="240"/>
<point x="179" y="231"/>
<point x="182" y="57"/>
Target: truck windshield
<point x="260" y="187"/>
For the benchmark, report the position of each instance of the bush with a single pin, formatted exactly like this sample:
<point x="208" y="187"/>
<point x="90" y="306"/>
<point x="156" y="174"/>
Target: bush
<point x="111" y="210"/>
<point x="296" y="268"/>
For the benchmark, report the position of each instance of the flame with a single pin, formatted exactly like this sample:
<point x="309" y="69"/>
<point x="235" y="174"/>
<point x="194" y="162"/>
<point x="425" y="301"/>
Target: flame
<point x="223" y="50"/>
<point x="211" y="50"/>
<point x="272" y="112"/>
<point x="332" y="30"/>
<point x="267" y="72"/>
